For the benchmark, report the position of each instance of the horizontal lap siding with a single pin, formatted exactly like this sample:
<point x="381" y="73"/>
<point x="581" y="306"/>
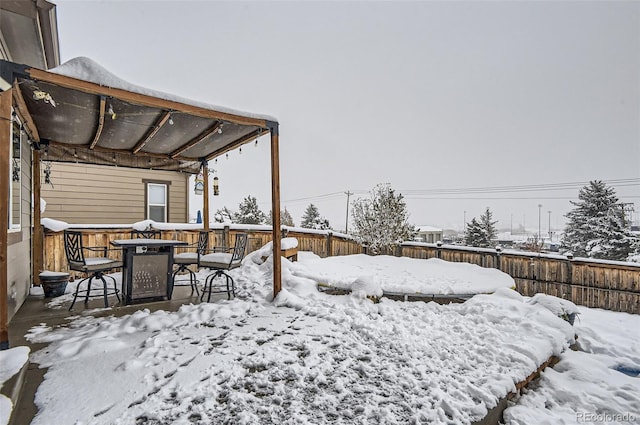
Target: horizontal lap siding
<point x="85" y="194"/>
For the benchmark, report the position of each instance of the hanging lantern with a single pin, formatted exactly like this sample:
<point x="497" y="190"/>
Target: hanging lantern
<point x="199" y="186"/>
<point x="216" y="188"/>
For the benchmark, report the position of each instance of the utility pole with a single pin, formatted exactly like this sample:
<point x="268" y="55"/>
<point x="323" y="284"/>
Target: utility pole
<point x="464" y="223"/>
<point x="511" y="228"/>
<point x="550" y="233"/>
<point x="539" y="226"/>
<point x="628" y="207"/>
<point x="346" y="223"/>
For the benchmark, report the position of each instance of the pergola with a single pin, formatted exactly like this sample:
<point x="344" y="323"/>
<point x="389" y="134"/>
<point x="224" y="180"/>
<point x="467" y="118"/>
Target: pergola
<point x="82" y="113"/>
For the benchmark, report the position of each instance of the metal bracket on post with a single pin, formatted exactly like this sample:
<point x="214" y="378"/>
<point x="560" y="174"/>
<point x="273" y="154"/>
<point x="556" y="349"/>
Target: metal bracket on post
<point x="273" y="127"/>
<point x="9" y="71"/>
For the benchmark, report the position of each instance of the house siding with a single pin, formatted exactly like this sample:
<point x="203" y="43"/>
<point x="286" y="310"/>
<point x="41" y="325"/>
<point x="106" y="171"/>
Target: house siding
<point x="84" y="194"/>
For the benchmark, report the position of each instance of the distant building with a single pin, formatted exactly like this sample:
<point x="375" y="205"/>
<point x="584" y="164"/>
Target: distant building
<point x="428" y="234"/>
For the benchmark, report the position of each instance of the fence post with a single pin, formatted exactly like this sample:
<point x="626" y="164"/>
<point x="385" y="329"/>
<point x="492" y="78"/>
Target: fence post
<point x="398" y="250"/>
<point x="498" y="257"/>
<point x="569" y="281"/>
<point x="225" y="236"/>
<point x="439" y="249"/>
<point x="329" y="244"/>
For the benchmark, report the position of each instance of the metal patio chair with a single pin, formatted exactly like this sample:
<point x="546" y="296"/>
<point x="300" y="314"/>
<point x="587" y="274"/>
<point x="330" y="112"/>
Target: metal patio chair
<point x="92" y="267"/>
<point x="190" y="258"/>
<point x="220" y="261"/>
<point x="146" y="234"/>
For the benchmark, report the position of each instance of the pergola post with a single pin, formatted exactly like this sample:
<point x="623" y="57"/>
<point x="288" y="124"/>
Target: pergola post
<point x="37" y="236"/>
<point x="5" y="143"/>
<point x="205" y="206"/>
<point x="275" y="208"/>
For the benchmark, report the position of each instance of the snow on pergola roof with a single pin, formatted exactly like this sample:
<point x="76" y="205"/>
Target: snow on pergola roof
<point x="80" y="112"/>
<point x="83" y="68"/>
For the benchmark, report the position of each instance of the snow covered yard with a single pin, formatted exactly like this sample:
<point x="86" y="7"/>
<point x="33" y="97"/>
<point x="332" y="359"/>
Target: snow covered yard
<point x="590" y="385"/>
<point x="309" y="357"/>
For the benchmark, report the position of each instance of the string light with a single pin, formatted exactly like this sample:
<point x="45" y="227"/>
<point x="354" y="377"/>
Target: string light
<point x="240" y="150"/>
<point x="111" y="112"/>
<point x="170" y="119"/>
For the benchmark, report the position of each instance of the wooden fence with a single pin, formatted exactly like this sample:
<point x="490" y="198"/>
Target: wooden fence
<point x="322" y="244"/>
<point x="601" y="284"/>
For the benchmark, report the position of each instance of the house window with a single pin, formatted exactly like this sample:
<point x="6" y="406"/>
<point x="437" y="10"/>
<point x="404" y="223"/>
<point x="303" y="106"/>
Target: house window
<point x="157" y="201"/>
<point x="15" y="176"/>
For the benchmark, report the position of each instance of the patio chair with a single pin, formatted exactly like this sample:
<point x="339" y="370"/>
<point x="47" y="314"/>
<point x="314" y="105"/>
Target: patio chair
<point x="93" y="267"/>
<point x="220" y="262"/>
<point x="190" y="258"/>
<point x="146" y="234"/>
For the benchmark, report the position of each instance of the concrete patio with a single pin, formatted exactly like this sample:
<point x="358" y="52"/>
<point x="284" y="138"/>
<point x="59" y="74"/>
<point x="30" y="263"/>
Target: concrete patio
<point x="37" y="311"/>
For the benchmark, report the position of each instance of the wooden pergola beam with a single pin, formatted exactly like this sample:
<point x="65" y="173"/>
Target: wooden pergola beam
<point x="116" y="151"/>
<point x="141" y="99"/>
<point x="37" y="236"/>
<point x="275" y="208"/>
<point x="27" y="120"/>
<point x="5" y="143"/>
<point x="103" y="105"/>
<point x="237" y="143"/>
<point x="192" y="143"/>
<point x="205" y="205"/>
<point x="154" y="130"/>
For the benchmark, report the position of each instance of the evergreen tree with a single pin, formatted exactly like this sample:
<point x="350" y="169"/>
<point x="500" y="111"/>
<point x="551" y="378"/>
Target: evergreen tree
<point x="249" y="213"/>
<point x="481" y="233"/>
<point x="224" y="215"/>
<point x="285" y="218"/>
<point x="381" y="222"/>
<point x="489" y="227"/>
<point x="311" y="219"/>
<point x="474" y="235"/>
<point x="597" y="226"/>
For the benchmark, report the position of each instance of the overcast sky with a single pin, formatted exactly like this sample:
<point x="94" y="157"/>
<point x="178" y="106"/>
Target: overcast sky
<point x="421" y="95"/>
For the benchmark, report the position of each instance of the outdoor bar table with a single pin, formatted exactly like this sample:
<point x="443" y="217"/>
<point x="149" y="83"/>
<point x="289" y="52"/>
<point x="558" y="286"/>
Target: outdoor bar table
<point x="147" y="270"/>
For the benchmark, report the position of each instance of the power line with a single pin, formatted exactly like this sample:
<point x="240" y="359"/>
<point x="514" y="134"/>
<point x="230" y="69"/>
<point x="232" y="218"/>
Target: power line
<point x="499" y="197"/>
<point x="442" y="193"/>
<point x="520" y="188"/>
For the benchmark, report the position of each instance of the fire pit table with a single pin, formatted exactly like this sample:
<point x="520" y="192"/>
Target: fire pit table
<point x="147" y="269"/>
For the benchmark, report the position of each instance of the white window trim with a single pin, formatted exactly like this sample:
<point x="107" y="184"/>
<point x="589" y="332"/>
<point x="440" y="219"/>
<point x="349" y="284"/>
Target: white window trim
<point x="149" y="204"/>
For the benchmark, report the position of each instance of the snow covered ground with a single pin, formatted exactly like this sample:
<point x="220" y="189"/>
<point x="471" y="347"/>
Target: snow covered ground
<point x="309" y="357"/>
